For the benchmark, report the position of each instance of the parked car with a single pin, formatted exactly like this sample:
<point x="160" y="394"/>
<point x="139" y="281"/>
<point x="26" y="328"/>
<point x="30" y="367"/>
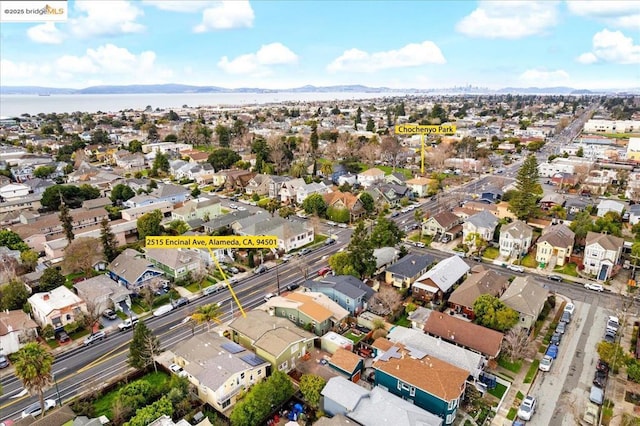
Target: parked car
<point x="566" y="317"/>
<point x="515" y="268"/>
<point x="293" y="286"/>
<point x="234" y="270"/>
<point x="545" y="363"/>
<point x="331" y="223"/>
<point x="304" y="251"/>
<point x="527" y="408"/>
<point x="594" y="287"/>
<point x="556" y="338"/>
<point x="602" y="366"/>
<point x="420" y="244"/>
<point x="4" y="361"/>
<point x="109" y="314"/>
<point x="95" y="337"/>
<point x="395" y="214"/>
<point x="329" y="241"/>
<point x="570" y="307"/>
<point x="176" y="369"/>
<point x="165" y="309"/>
<point x="596" y="395"/>
<point x="613" y="323"/>
<point x="342" y="225"/>
<point x="552" y="351"/>
<point x="35" y="409"/>
<point x="609" y="337"/>
<point x="260" y="269"/>
<point x="268" y="296"/>
<point x="561" y="328"/>
<point x="555" y="278"/>
<point x="180" y="302"/>
<point x="62" y="337"/>
<point x="599" y="379"/>
<point x="128" y="323"/>
<point x="324" y="271"/>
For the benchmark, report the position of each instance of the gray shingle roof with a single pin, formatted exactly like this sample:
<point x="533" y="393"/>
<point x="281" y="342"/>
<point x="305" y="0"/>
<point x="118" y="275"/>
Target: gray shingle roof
<point x="484" y="219"/>
<point x="525" y="296"/>
<point x="348" y="285"/>
<point x="446" y="273"/>
<point x="411" y="265"/>
<point x="227" y="219"/>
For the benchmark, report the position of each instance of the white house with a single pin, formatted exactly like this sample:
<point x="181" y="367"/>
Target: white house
<point x="57" y="307"/>
<point x="14" y="190"/>
<point x="16" y="329"/>
<point x="309" y="189"/>
<point x="601" y="254"/>
<point x="515" y="239"/>
<point x="483" y="223"/>
<point x="607" y="206"/>
<point x="370" y="176"/>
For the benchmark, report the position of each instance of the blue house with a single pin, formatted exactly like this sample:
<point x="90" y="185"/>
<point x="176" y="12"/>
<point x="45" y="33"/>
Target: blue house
<point x="346" y="290"/>
<point x="172" y="193"/>
<point x="426" y="381"/>
<point x="133" y="271"/>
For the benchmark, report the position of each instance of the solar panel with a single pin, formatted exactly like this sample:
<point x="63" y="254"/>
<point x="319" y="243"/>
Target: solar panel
<point x="393" y="352"/>
<point x="252" y="359"/>
<point x="415" y="352"/>
<point x="232" y="347"/>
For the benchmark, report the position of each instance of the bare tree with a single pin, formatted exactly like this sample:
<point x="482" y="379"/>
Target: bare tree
<point x="148" y="296"/>
<point x="438" y="155"/>
<point x="390" y="149"/>
<point x="389" y="297"/>
<point x="370" y="152"/>
<point x="120" y="411"/>
<point x="81" y="255"/>
<point x="94" y="310"/>
<point x="277" y="152"/>
<point x="516" y="343"/>
<point x="302" y="266"/>
<point x="8" y="268"/>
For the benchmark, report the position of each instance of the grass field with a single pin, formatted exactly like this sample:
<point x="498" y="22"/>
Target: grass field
<point x="568" y="269"/>
<point x="498" y="391"/>
<point x="491" y="253"/>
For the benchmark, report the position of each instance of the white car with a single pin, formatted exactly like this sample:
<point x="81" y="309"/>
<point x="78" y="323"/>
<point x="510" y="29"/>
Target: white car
<point x="35" y="409"/>
<point x="570" y="307"/>
<point x="268" y="296"/>
<point x="527" y="408"/>
<point x="545" y="363"/>
<point x="515" y="268"/>
<point x="176" y="369"/>
<point x="162" y="310"/>
<point x="331" y="223"/>
<point x="594" y="287"/>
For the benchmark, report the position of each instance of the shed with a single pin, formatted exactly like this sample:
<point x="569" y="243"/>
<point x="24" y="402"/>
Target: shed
<point x="332" y="341"/>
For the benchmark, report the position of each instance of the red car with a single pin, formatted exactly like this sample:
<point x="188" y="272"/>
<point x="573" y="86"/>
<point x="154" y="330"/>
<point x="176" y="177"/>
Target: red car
<point x="324" y="271"/>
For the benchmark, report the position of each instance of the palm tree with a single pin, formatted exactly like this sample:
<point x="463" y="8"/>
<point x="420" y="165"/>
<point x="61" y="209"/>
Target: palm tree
<point x="33" y="367"/>
<point x="207" y="314"/>
<point x="326" y="169"/>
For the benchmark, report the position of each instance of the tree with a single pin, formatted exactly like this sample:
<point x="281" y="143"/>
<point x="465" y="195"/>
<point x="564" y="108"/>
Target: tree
<point x="121" y="192"/>
<point x="33" y="364"/>
<point x="207" y="314"/>
<point x="224" y="135"/>
<point x="311" y="386"/>
<point x="146" y="415"/>
<point x="29" y="259"/>
<point x="43" y="172"/>
<point x="492" y="313"/>
<point x="580" y="152"/>
<point x="515" y="343"/>
<point x="361" y="250"/>
<point x="13" y="296"/>
<point x="135" y="146"/>
<point x="51" y="278"/>
<point x="195" y="192"/>
<point x="371" y="126"/>
<point x="108" y="240"/>
<point x="581" y="225"/>
<point x="272" y="206"/>
<point x="358" y="118"/>
<point x="149" y="224"/>
<point x="160" y="164"/>
<point x="390" y="149"/>
<point x="12" y="240"/>
<point x="261" y="149"/>
<point x="144" y="346"/>
<point x="379" y="328"/>
<point x="315" y="204"/>
<point x="611" y="223"/>
<point x="389" y="297"/>
<point x="340" y="264"/>
<point x="260" y="400"/>
<point x="81" y="254"/>
<point x="613" y="354"/>
<point x="524" y="203"/>
<point x="386" y="233"/>
<point x="67" y="222"/>
<point x="178" y="227"/>
<point x="367" y="202"/>
<point x="223" y="158"/>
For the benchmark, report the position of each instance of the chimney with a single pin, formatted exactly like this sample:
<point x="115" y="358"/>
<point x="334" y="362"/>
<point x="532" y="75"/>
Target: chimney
<point x="413" y="262"/>
<point x="45" y="296"/>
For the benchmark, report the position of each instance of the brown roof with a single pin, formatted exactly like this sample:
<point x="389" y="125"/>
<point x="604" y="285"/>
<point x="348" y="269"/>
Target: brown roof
<point x="445" y="219"/>
<point x="345" y="360"/>
<point x="479" y="207"/>
<point x="347" y="198"/>
<point x="382" y="344"/>
<point x="52" y="220"/>
<point x="485" y="282"/>
<point x="558" y="236"/>
<point x="17" y="320"/>
<point x="309" y="307"/>
<point x="467" y="334"/>
<point x="429" y="374"/>
<point x="463" y="211"/>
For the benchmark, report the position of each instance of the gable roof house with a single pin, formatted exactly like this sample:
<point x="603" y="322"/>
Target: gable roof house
<point x="274" y="339"/>
<point x="442" y="224"/>
<point x="16" y="329"/>
<point x="101" y="292"/>
<point x="309" y="189"/>
<point x="57" y="307"/>
<point x="14" y="190"/>
<point x="219" y="368"/>
<point x="345" y="200"/>
<point x="204" y="208"/>
<point x="483" y="223"/>
<point x="551" y="200"/>
<point x="348" y="364"/>
<point x="275" y="183"/>
<point x="555" y="245"/>
<point x="370" y="176"/>
<point x="408" y="269"/>
<point x="526" y="297"/>
<point x="290" y="234"/>
<point x="439" y="280"/>
<point x="390" y="193"/>
<point x="131" y="270"/>
<point x="346" y="290"/>
<point x="289" y="190"/>
<point x="606" y="206"/>
<point x="601" y="254"/>
<point x="172" y="193"/>
<point x="463" y="333"/>
<point x="478" y="283"/>
<point x="420" y="186"/>
<point x="259" y="184"/>
<point x="175" y="263"/>
<point x="515" y="239"/>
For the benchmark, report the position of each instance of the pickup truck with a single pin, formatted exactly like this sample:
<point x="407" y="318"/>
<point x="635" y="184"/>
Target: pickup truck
<point x="128" y="323"/>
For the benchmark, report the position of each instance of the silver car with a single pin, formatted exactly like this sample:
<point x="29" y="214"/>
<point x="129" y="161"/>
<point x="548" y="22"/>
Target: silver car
<point x="35" y="409"/>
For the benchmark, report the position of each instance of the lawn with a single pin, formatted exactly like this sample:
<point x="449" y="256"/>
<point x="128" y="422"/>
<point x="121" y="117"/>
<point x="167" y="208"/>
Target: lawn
<point x="618" y="135"/>
<point x="511" y="415"/>
<point x="531" y="373"/>
<point x="491" y="253"/>
<point x="403" y="321"/>
<point x="568" y="269"/>
<point x="514" y="366"/>
<point x="195" y="287"/>
<point x="388" y="170"/>
<point x="498" y="391"/>
<point x="529" y="261"/>
<point x="426" y="239"/>
<point x="355" y="338"/>
<point x="103" y="404"/>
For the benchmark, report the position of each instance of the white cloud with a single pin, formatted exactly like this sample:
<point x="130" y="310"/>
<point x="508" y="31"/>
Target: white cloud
<point x="46" y="33"/>
<point x="616" y="13"/>
<point x="411" y="55"/>
<point x="225" y="15"/>
<point x="106" y="18"/>
<point x="509" y="19"/>
<point x="543" y="77"/>
<point x="257" y="63"/>
<point x="185" y="6"/>
<point x="612" y="46"/>
<point x="17" y="70"/>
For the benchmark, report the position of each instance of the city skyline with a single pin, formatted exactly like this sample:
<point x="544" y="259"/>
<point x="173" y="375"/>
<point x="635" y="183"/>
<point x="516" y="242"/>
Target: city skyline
<point x="277" y="45"/>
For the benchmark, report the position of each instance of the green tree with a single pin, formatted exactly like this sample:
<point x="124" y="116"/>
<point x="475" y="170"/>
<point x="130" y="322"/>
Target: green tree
<point x="386" y="233"/>
<point x="151" y="412"/>
<point x="613" y="354"/>
<point x="73" y="196"/>
<point x="524" y="203"/>
<point x="261" y="149"/>
<point x="633" y="370"/>
<point x="361" y="250"/>
<point x="223" y="158"/>
<point x="135" y="146"/>
<point x="371" y="126"/>
<point x="580" y="152"/>
<point x="29" y="259"/>
<point x="611" y="223"/>
<point x="13" y="296"/>
<point x="149" y="224"/>
<point x="160" y="164"/>
<point x="492" y="313"/>
<point x="108" y="239"/>
<point x="32" y="365"/>
<point x="367" y="202"/>
<point x="338" y="214"/>
<point x="121" y="192"/>
<point x="51" y="278"/>
<point x="581" y="225"/>
<point x="43" y="172"/>
<point x="224" y="135"/>
<point x="358" y="116"/>
<point x="178" y="227"/>
<point x="67" y="222"/>
<point x="314" y="204"/>
<point x="260" y="400"/>
<point x="207" y="314"/>
<point x="171" y="137"/>
<point x="143" y="347"/>
<point x="195" y="192"/>
<point x="313" y="139"/>
<point x="311" y="386"/>
<point x="340" y="264"/>
<point x="12" y="240"/>
<point x="272" y="206"/>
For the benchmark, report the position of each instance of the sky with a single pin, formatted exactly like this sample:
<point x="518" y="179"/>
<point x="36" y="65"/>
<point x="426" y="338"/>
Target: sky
<point x="284" y="44"/>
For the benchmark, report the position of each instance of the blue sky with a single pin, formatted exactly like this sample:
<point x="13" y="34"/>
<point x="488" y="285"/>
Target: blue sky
<point x="280" y="44"/>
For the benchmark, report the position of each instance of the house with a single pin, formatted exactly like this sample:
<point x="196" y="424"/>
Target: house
<point x="176" y="264"/>
<point x="219" y="369"/>
<point x="96" y="203"/>
<point x="408" y="269"/>
<point x="346" y="290"/>
<point x="474" y="337"/>
<point x="309" y="189"/>
<point x="309" y="310"/>
<point x="291" y="235"/>
<point x="439" y="280"/>
<point x="16" y="329"/>
<point x="483" y="224"/>
<point x="275" y="183"/>
<point x="101" y="293"/>
<point x="274" y="339"/>
<point x="385" y="256"/>
<point x="289" y="190"/>
<point x="485" y="281"/>
<point x="131" y="270"/>
<point x="375" y="407"/>
<point x="339" y="200"/>
<point x="634" y="214"/>
<point x="170" y="192"/>
<point x="260" y="184"/>
<point x="57" y="307"/>
<point x="129" y="161"/>
<point x="14" y="190"/>
<point x="555" y="245"/>
<point x="576" y="205"/>
<point x="526" y="297"/>
<point x="442" y="224"/>
<point x="37" y="186"/>
<point x="515" y="239"/>
<point x="205" y="208"/>
<point x="370" y="177"/>
<point x="389" y="193"/>
<point x="606" y="206"/>
<point x="491" y="194"/>
<point x="396" y="178"/>
<point x="347" y="364"/>
<point x="430" y="383"/>
<point x="419" y="317"/>
<point x="420" y="186"/>
<point x="601" y="254"/>
<point x="134" y="213"/>
<point x="346" y="179"/>
<point x="225" y="221"/>
<point x="552" y="200"/>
